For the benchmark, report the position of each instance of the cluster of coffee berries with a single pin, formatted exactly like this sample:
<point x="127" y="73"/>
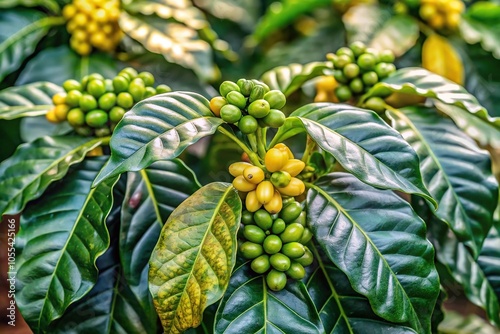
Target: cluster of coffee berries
<point x="276" y="243"/>
<point x="249" y="104"/>
<point x="93" y="23"/>
<point x="357" y="68"/>
<point x="442" y="14"/>
<point x="266" y="188"/>
<point x="94" y="105"/>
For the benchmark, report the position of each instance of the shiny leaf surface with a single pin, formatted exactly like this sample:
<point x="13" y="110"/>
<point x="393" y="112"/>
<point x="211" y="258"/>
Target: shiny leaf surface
<point x="456" y="172"/>
<point x="489" y="259"/>
<point x="250" y="307"/>
<point x="398" y="34"/>
<point x="56" y="266"/>
<point x="27" y="173"/>
<point x="480" y="25"/>
<point x="192" y="262"/>
<point x="29" y="100"/>
<point x="363" y="21"/>
<point x="158" y="128"/>
<point x="361" y="142"/>
<point x="151" y="196"/>
<point x="291" y="77"/>
<point x="379" y="242"/>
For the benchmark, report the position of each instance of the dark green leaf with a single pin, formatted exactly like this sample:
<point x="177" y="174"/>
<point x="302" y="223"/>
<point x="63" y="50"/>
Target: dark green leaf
<point x="111" y="306"/>
<point x="464" y="269"/>
<point x="343" y="310"/>
<point x="361" y="142"/>
<point x="158" y="128"/>
<point x="291" y="77"/>
<point x="26" y="174"/>
<point x="489" y="259"/>
<point x="36" y="127"/>
<point x="456" y="172"/>
<point x="418" y="81"/>
<point x="379" y="242"/>
<point x="20" y="32"/>
<point x="59" y="64"/>
<point x="280" y="14"/>
<point x="398" y="34"/>
<point x="456" y="323"/>
<point x="363" y="21"/>
<point x="51" y="5"/>
<point x="29" y="100"/>
<point x="192" y="262"/>
<point x="249" y="307"/>
<point x="61" y="236"/>
<point x="152" y="194"/>
<point x="480" y="25"/>
<point x="178" y="43"/>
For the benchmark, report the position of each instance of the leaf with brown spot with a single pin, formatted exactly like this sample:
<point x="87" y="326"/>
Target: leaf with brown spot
<point x="192" y="262"/>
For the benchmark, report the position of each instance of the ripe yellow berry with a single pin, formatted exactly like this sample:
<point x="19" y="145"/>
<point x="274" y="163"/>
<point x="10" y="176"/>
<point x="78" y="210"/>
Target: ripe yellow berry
<point x="275" y="205"/>
<point x="265" y="192"/>
<point x="275" y="159"/>
<point x="251" y="202"/>
<point x="51" y="116"/>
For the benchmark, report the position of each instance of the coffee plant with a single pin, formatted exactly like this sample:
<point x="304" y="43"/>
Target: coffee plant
<point x="336" y="173"/>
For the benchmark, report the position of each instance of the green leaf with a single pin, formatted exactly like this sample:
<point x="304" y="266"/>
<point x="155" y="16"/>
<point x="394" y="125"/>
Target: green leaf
<point x="29" y="100"/>
<point x="291" y="77"/>
<point x="456" y="323"/>
<point x="26" y="174"/>
<point x="483" y="131"/>
<point x="489" y="259"/>
<point x="343" y="310"/>
<point x="363" y="21"/>
<point x="60" y="63"/>
<point x="243" y="12"/>
<point x="151" y="196"/>
<point x="62" y="236"/>
<point x="480" y="25"/>
<point x="20" y="32"/>
<point x="178" y="43"/>
<point x="398" y="34"/>
<point x="379" y="242"/>
<point x="281" y="14"/>
<point x="36" y="127"/>
<point x="192" y="262"/>
<point x="158" y="128"/>
<point x="418" y="81"/>
<point x="456" y="172"/>
<point x="249" y="307"/>
<point x="51" y="5"/>
<point x="361" y="142"/>
<point x="461" y="265"/>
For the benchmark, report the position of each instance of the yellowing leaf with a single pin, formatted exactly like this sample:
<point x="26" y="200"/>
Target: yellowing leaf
<point x="192" y="262"/>
<point x="439" y="56"/>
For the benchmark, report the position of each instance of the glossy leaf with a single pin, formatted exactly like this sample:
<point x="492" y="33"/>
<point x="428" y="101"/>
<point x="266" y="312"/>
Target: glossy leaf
<point x="158" y="128"/>
<point x="62" y="236"/>
<point x="461" y="265"/>
<point x="243" y="12"/>
<point x="178" y="43"/>
<point x="291" y="77"/>
<point x="489" y="259"/>
<point x="59" y="64"/>
<point x="20" y="32"/>
<point x="29" y="100"/>
<point x="250" y="307"/>
<point x="379" y="242"/>
<point x="398" y="34"/>
<point x="456" y="172"/>
<point x="51" y="5"/>
<point x="480" y="25"/>
<point x="455" y="323"/>
<point x="439" y="56"/>
<point x="280" y="15"/>
<point x="363" y="21"/>
<point x="343" y="310"/>
<point x="420" y="82"/>
<point x="36" y="127"/>
<point x="483" y="131"/>
<point x="361" y="142"/>
<point x="111" y="306"/>
<point x="192" y="262"/>
<point x="151" y="196"/>
<point x="26" y="174"/>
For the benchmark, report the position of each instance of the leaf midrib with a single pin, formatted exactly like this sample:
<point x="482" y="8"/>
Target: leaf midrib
<point x="341" y="210"/>
<point x="216" y="212"/>
<point x="436" y="161"/>
<point x="152" y="195"/>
